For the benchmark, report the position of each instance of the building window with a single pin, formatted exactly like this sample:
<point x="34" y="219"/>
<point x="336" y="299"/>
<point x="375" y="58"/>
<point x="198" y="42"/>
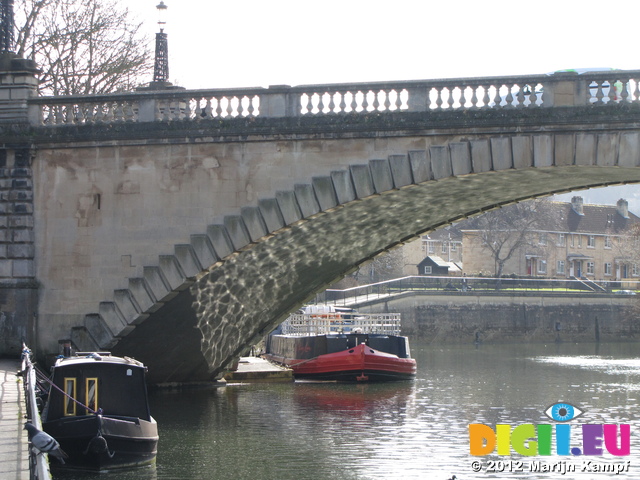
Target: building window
<point x="634" y="270"/>
<point x="428" y="270"/>
<point x="591" y="267"/>
<point x="607" y="269"/>
<point x="573" y="240"/>
<point x="454" y="246"/>
<point x="431" y="247"/>
<point x="561" y="267"/>
<point x="542" y="266"/>
<point x="542" y="238"/>
<point x="561" y="239"/>
<point x="607" y="242"/>
<point x="444" y="247"/>
<point x="591" y="241"/>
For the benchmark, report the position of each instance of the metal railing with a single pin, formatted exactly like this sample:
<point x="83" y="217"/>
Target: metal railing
<point x="307" y="324"/>
<point x="515" y="92"/>
<point x="38" y="464"/>
<point x="477" y="285"/>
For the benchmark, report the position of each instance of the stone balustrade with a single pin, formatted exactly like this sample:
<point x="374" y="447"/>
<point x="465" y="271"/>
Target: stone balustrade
<point x="516" y="92"/>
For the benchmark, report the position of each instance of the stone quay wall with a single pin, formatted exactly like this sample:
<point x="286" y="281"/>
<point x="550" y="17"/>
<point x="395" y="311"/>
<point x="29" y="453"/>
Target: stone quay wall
<point x="466" y="318"/>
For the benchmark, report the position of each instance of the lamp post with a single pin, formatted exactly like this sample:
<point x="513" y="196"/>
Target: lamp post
<point x="6" y="25"/>
<point x="161" y="66"/>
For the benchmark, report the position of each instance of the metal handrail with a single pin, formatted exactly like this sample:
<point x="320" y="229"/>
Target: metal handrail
<point x="38" y="464"/>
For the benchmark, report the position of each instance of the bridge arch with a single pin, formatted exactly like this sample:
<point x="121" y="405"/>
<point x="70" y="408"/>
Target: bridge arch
<point x="230" y="285"/>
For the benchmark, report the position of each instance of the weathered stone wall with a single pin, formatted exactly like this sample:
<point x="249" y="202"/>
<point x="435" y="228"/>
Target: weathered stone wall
<point x="501" y="319"/>
<point x="18" y="286"/>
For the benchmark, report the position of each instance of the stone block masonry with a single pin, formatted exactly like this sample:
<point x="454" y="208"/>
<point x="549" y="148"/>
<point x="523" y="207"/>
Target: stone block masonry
<point x="18" y="286"/>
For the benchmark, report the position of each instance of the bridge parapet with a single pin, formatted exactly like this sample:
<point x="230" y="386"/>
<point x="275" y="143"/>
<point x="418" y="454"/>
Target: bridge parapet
<point x="535" y="91"/>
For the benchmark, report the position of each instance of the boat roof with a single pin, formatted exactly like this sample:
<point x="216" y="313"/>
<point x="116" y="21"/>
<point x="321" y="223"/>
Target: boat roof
<point x="96" y="357"/>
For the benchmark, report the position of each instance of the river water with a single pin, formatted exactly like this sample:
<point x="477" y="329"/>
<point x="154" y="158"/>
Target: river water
<point x="408" y="430"/>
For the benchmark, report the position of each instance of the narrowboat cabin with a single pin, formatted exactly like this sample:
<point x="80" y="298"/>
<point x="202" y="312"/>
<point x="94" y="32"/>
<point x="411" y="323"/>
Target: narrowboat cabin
<point x="97" y="409"/>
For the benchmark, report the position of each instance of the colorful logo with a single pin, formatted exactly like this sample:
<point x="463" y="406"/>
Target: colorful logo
<point x="530" y="439"/>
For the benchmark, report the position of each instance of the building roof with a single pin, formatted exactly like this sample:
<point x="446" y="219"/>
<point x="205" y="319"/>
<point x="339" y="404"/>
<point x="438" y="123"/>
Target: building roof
<point x="576" y="217"/>
<point x="439" y="262"/>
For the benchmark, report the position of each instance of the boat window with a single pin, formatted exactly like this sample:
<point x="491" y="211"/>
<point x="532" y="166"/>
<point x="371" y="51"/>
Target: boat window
<point x="70" y="390"/>
<point x="91" y="392"/>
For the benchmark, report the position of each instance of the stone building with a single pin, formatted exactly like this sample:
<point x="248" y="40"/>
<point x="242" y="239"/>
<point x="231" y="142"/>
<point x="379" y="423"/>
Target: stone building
<point x="574" y="240"/>
<point x="445" y="243"/>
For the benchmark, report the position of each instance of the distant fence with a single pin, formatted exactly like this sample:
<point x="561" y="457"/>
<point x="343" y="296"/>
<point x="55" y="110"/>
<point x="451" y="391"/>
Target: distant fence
<point x="468" y="285"/>
<point x="533" y="91"/>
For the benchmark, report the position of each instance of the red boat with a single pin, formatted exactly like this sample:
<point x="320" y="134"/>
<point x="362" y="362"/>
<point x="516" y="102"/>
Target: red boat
<point x="343" y="346"/>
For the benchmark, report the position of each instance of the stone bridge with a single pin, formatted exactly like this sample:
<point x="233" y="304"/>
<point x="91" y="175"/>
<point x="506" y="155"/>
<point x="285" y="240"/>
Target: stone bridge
<point x="181" y="226"/>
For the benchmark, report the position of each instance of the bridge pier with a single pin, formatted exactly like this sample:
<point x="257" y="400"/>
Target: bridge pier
<point x="18" y="284"/>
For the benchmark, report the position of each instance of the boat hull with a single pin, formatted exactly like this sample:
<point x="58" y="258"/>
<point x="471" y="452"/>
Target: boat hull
<point x="358" y="364"/>
<point x="95" y="442"/>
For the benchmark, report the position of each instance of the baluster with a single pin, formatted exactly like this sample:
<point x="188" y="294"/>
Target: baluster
<point x="533" y="96"/>
<point x="342" y="107"/>
<point x="176" y="109"/>
<point x="365" y="101"/>
<point x="354" y="103"/>
<point x="463" y="99"/>
<point x="439" y="100"/>
<point x="252" y="108"/>
<point x="187" y="109"/>
<point x="497" y="99"/>
<point x="399" y="99"/>
<point x="99" y="116"/>
<point x="486" y="98"/>
<point x="509" y="97"/>
<point x="599" y="94"/>
<point x="206" y="111"/>
<point x="321" y="103"/>
<point x="198" y="111"/>
<point x="387" y="100"/>
<point x="332" y="103"/>
<point x="45" y="112"/>
<point x="636" y="91"/>
<point x="376" y="101"/>
<point x="362" y="102"/>
<point x="58" y="115"/>
<point x="474" y="97"/>
<point x="230" y="108"/>
<point x="218" y="107"/>
<point x="167" y="110"/>
<point x="625" y="92"/>
<point x="450" y="100"/>
<point x="520" y="96"/>
<point x="118" y="112"/>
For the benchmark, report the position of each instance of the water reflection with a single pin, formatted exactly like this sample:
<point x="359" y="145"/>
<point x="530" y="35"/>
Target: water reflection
<point x="399" y="430"/>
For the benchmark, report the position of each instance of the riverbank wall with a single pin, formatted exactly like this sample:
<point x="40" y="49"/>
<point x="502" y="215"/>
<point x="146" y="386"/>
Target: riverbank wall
<point x="510" y="318"/>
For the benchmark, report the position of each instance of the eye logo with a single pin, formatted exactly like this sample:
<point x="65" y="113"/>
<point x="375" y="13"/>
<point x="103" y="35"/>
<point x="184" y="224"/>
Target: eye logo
<point x="563" y="412"/>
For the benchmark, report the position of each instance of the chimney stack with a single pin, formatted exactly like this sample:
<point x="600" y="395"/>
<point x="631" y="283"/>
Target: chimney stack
<point x="576" y="203"/>
<point x="623" y="208"/>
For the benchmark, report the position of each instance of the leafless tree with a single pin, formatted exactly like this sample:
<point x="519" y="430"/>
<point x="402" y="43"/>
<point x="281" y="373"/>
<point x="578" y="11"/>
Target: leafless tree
<point x="83" y="46"/>
<point x="505" y="231"/>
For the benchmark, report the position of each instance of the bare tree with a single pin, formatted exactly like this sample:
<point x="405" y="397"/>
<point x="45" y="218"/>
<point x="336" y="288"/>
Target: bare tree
<point x="505" y="231"/>
<point x="82" y="46"/>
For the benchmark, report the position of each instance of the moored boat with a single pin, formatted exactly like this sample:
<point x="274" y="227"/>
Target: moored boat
<point x="97" y="410"/>
<point x="339" y="344"/>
